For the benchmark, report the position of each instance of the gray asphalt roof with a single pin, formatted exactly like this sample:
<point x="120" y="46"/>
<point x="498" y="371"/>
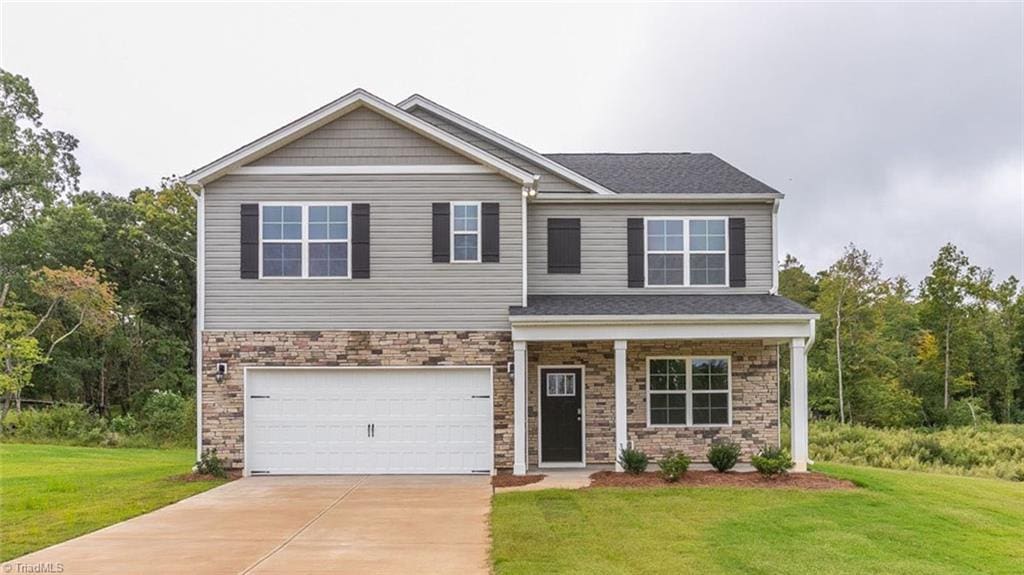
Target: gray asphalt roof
<point x="663" y="173"/>
<point x="659" y="304"/>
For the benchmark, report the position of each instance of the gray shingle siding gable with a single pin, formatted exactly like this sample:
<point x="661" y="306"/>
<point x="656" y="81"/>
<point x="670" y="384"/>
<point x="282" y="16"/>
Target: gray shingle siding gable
<point x="603" y="245"/>
<point x="360" y="138"/>
<point x="405" y="289"/>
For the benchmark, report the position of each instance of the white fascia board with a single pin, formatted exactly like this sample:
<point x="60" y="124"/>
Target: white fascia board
<point x="722" y="198"/>
<point x="417" y="101"/>
<point x="363" y="170"/>
<point x="643" y="330"/>
<point x="663" y="318"/>
<point x="325" y="114"/>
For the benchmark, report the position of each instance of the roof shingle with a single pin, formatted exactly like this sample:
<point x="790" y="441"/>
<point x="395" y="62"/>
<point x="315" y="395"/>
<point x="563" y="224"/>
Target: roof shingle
<point x="660" y="304"/>
<point x="663" y="173"/>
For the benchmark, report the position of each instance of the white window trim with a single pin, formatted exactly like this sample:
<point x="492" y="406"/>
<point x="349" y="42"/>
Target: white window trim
<point x="689" y="391"/>
<point x="452" y="233"/>
<point x="305" y="241"/>
<point x="687" y="252"/>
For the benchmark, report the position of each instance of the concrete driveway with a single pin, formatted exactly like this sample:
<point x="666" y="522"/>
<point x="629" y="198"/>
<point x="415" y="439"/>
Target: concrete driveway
<point x="335" y="524"/>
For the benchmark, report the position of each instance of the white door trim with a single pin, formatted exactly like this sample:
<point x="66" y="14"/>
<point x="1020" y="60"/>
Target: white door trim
<point x="245" y="396"/>
<point x="583" y="418"/>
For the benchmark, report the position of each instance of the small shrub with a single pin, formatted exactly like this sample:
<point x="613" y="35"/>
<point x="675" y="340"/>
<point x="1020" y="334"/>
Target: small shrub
<point x="723" y="456"/>
<point x="633" y="460"/>
<point x="772" y="462"/>
<point x="210" y="464"/>
<point x="673" y="466"/>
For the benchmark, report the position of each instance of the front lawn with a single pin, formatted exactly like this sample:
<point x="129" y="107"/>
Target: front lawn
<point x="897" y="522"/>
<point x="51" y="493"/>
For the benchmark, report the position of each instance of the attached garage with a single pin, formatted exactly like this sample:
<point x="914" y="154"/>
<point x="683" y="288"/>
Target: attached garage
<point x="368" y="420"/>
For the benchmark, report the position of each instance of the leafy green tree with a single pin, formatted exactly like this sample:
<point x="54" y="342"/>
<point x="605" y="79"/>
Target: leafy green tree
<point x="37" y="165"/>
<point x="943" y="297"/>
<point x="848" y="290"/>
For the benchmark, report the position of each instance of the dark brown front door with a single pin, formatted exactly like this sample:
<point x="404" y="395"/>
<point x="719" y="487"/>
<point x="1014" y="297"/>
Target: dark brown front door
<point x="561" y="415"/>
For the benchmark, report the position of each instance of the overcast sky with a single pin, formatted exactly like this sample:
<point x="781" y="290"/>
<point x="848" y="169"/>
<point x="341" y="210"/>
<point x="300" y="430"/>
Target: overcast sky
<point x="897" y="127"/>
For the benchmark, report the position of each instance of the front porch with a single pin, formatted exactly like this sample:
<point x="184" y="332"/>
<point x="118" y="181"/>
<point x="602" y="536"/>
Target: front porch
<point x="586" y="386"/>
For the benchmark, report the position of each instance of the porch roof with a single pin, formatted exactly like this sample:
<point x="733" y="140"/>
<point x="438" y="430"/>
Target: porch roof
<point x="660" y="305"/>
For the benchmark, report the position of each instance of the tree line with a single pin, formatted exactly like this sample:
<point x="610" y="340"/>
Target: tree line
<point x="97" y="302"/>
<point x="946" y="353"/>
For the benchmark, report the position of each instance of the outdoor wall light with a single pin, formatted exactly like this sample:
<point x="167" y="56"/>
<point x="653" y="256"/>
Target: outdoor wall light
<point x="222" y="370"/>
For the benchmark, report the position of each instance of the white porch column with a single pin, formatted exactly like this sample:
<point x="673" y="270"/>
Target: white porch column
<point x="519" y="408"/>
<point x="798" y="403"/>
<point x="620" y="399"/>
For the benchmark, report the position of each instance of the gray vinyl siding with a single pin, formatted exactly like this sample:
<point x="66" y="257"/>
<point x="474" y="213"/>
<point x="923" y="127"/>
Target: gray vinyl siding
<point x="405" y="290"/>
<point x="603" y="246"/>
<point x="361" y="138"/>
<point x="548" y="182"/>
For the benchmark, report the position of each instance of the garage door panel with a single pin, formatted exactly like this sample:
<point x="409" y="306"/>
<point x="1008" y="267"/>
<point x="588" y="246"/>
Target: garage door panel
<point x="315" y="420"/>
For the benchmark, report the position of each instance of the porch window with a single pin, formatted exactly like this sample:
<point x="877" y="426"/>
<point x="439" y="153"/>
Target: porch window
<point x="688" y="391"/>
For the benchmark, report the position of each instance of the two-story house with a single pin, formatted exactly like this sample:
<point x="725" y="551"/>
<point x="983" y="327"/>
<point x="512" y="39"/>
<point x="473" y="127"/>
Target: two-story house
<point x="399" y="289"/>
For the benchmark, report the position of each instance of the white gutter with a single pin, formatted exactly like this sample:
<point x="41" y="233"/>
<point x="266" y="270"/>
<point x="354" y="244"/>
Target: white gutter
<point x="526" y="320"/>
<point x="723" y="198"/>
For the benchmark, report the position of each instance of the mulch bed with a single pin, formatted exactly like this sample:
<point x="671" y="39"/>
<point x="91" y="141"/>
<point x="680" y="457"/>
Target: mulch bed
<point x="190" y="477"/>
<point x="509" y="480"/>
<point x="809" y="481"/>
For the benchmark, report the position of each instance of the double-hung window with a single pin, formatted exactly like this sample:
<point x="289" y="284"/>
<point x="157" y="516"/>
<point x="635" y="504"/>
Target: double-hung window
<point x="685" y="251"/>
<point x="304" y="240"/>
<point x="465" y="231"/>
<point x="688" y="391"/>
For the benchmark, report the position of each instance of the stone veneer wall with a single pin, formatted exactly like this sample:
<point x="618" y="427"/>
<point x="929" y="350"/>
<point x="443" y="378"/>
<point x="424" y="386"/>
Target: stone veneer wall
<point x="755" y="396"/>
<point x="223" y="402"/>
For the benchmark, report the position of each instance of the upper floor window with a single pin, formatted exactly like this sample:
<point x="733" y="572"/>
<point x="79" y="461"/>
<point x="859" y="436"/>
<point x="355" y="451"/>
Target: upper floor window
<point x="465" y="231"/>
<point x="304" y="240"/>
<point x="685" y="251"/>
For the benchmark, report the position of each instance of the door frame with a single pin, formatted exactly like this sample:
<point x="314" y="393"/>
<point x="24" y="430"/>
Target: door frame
<point x="583" y="418"/>
<point x="245" y="398"/>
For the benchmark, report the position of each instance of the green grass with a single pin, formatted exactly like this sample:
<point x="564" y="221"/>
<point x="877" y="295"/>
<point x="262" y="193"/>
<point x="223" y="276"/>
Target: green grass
<point x="897" y="522"/>
<point x="51" y="493"/>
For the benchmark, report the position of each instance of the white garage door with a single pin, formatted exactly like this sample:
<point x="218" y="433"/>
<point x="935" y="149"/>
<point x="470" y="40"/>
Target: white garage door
<point x="429" y="420"/>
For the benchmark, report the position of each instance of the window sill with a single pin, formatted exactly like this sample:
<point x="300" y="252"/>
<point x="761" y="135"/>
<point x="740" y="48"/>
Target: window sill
<point x="684" y="426"/>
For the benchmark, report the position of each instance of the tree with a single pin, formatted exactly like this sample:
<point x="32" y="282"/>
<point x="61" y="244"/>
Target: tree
<point x="943" y="294"/>
<point x="37" y="165"/>
<point x="71" y="299"/>
<point x="848" y="289"/>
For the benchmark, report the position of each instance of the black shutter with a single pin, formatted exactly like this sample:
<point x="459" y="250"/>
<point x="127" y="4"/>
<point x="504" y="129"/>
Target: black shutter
<point x="563" y="245"/>
<point x="635" y="252"/>
<point x="442" y="232"/>
<point x="737" y="252"/>
<point x="360" y="241"/>
<point x="250" y="245"/>
<point x="490" y="237"/>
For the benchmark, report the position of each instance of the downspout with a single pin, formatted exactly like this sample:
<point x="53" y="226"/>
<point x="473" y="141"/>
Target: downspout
<point x="200" y="310"/>
<point x="529" y="191"/>
<point x="807" y="351"/>
<point x="775" y="246"/>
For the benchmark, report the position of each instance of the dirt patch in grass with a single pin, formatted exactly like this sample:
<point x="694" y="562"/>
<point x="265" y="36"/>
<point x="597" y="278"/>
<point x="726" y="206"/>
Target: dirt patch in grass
<point x="715" y="479"/>
<point x="509" y="480"/>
